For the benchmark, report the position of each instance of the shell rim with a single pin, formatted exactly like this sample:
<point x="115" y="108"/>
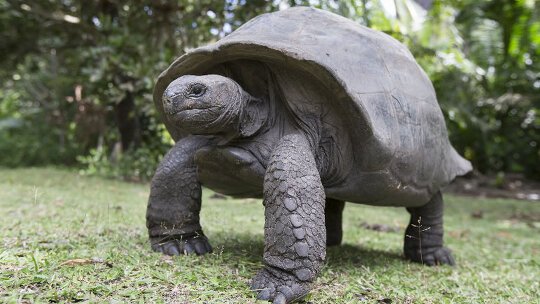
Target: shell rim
<point x="204" y="58"/>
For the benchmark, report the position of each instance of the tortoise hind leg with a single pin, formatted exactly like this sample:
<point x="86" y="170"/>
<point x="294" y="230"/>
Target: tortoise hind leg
<point x="333" y="216"/>
<point x="424" y="234"/>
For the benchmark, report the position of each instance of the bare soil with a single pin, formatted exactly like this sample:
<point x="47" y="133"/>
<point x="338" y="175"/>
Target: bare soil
<point x="513" y="186"/>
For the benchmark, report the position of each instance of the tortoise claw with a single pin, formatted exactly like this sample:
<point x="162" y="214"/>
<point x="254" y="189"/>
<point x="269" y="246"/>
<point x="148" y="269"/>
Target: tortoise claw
<point x="439" y="256"/>
<point x="278" y="286"/>
<point x="180" y="244"/>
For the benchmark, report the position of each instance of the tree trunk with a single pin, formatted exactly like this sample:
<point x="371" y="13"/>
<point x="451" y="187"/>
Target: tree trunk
<point x="128" y="123"/>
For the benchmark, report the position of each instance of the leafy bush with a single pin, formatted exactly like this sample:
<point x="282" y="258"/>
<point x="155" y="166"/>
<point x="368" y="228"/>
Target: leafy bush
<point x="135" y="164"/>
<point x="132" y="165"/>
<point x="26" y="146"/>
<point x="27" y="139"/>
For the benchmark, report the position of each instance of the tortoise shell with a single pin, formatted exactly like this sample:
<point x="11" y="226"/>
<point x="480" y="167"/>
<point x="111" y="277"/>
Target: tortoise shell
<point x="392" y="120"/>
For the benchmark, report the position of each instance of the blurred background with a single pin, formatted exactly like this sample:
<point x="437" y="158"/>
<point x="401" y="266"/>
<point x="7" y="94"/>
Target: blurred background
<point x="76" y="77"/>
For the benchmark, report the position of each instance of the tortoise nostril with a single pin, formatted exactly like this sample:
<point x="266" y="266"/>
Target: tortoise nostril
<point x="167" y="100"/>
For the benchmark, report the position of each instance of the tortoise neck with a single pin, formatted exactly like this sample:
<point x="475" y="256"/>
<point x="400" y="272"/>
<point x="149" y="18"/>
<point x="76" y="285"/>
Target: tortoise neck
<point x="253" y="116"/>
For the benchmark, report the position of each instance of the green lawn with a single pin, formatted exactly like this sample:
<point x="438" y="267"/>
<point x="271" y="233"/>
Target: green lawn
<point x="49" y="217"/>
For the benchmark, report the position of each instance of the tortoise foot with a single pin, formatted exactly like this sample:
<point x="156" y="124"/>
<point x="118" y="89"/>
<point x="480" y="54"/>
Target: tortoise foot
<point x="433" y="257"/>
<point x="195" y="243"/>
<point x="278" y="286"/>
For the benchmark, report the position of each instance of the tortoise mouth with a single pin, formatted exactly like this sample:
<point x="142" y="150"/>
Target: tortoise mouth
<point x="191" y="109"/>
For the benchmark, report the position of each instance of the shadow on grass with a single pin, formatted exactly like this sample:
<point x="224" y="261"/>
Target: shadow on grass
<point x="250" y="248"/>
<point x="347" y="255"/>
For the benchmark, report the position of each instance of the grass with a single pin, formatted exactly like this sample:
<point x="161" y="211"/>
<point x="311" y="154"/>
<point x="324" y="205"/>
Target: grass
<point x="50" y="217"/>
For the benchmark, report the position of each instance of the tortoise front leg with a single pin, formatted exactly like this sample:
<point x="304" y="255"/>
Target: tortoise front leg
<point x="172" y="216"/>
<point x="294" y="231"/>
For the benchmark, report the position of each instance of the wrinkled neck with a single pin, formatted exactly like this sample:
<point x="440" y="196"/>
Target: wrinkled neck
<point x="244" y="120"/>
<point x="253" y="116"/>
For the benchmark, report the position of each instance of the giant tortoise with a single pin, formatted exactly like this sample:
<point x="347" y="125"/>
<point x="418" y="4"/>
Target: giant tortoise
<point x="307" y="110"/>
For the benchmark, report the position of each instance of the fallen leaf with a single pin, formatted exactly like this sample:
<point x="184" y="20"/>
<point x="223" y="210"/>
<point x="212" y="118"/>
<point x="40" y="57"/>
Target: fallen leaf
<point x="74" y="262"/>
<point x="478" y="214"/>
<point x="167" y="259"/>
<point x="504" y="234"/>
<point x="77" y="262"/>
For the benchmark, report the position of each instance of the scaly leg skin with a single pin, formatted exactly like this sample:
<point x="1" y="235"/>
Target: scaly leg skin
<point x="333" y="215"/>
<point x="424" y="235"/>
<point x="172" y="216"/>
<point x="294" y="231"/>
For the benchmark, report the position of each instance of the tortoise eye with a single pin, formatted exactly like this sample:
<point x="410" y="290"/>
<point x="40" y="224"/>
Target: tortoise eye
<point x="196" y="90"/>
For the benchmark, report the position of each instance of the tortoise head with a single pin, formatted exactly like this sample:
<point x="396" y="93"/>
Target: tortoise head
<point x="211" y="105"/>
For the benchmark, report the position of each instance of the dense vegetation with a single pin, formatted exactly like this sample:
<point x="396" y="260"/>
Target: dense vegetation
<point x="77" y="76"/>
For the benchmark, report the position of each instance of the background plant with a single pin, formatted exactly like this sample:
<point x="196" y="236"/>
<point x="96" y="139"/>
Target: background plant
<point x="77" y="76"/>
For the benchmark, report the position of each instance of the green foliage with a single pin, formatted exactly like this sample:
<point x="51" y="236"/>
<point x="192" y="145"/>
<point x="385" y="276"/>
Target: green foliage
<point x="77" y="76"/>
<point x="25" y="141"/>
<point x="483" y="59"/>
<point x="81" y="74"/>
<point x="503" y="94"/>
<point x="133" y="165"/>
<point x="22" y="145"/>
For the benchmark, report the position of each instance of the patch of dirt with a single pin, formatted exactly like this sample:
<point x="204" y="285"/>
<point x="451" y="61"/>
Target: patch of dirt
<point x="459" y="234"/>
<point x="531" y="219"/>
<point x="10" y="268"/>
<point x="513" y="186"/>
<point x="525" y="217"/>
<point x="380" y="227"/>
<point x="179" y="294"/>
<point x="477" y="214"/>
<point x="29" y="289"/>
